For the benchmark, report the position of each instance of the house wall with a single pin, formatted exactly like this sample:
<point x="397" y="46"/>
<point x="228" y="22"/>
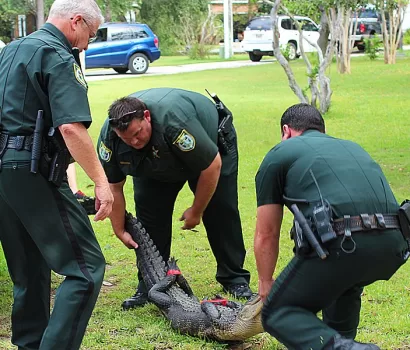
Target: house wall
<point x="29" y="26"/>
<point x="236" y="8"/>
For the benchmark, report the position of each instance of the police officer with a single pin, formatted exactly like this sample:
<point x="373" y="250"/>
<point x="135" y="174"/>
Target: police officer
<point x="165" y="137"/>
<point x="362" y="235"/>
<point x="42" y="225"/>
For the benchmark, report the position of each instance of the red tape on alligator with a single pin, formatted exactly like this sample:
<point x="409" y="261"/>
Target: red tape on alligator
<point x="222" y="302"/>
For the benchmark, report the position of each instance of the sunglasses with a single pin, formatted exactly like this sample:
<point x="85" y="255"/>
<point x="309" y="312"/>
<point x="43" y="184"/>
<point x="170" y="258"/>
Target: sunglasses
<point x="123" y="117"/>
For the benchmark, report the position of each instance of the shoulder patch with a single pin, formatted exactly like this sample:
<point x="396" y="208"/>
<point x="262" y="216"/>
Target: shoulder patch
<point x="185" y="141"/>
<point x="104" y="152"/>
<point x="79" y="75"/>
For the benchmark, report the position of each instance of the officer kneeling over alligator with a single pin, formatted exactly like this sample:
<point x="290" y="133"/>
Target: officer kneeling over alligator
<point x="163" y="138"/>
<point x="349" y="232"/>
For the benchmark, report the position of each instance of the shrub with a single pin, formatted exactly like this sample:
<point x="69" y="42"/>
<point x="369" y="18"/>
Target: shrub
<point x="372" y="47"/>
<point x="406" y="37"/>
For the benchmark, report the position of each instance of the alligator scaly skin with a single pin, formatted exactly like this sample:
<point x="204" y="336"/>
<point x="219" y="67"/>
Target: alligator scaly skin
<point x="173" y="296"/>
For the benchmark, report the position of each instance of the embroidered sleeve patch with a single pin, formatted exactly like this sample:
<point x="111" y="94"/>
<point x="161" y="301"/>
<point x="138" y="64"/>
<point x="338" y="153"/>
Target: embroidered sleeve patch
<point x="185" y="141"/>
<point x="79" y="75"/>
<point x="104" y="152"/>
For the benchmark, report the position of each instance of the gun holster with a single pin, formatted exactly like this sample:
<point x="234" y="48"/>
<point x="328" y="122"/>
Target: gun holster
<point x="55" y="159"/>
<point x="302" y="246"/>
<point x="404" y="219"/>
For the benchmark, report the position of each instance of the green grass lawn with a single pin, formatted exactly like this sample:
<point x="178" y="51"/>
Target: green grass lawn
<point x="371" y="106"/>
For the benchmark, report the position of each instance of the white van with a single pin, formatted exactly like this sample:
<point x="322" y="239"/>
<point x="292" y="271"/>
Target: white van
<point x="2" y="44"/>
<point x="258" y="36"/>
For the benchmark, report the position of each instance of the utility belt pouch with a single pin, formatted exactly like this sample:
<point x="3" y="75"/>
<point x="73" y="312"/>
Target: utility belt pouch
<point x="404" y="219"/>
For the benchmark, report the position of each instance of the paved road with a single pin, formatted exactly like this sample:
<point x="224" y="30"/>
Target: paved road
<point x="104" y="74"/>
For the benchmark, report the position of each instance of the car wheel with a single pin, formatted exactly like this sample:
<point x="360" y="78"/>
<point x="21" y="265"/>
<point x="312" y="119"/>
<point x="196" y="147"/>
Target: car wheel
<point x="121" y="70"/>
<point x="254" y="58"/>
<point x="138" y="63"/>
<point x="292" y="52"/>
<point x="360" y="47"/>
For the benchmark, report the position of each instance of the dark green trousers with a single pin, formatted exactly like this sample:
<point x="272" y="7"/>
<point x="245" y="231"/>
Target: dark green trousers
<point x="334" y="285"/>
<point x="43" y="228"/>
<point x="154" y="205"/>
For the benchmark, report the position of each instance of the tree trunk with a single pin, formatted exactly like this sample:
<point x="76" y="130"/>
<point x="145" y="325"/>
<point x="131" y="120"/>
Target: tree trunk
<point x="319" y="83"/>
<point x="40" y="14"/>
<point x="324" y="31"/>
<point x="345" y="46"/>
<point x="108" y="13"/>
<point x="392" y="35"/>
<point x="279" y="56"/>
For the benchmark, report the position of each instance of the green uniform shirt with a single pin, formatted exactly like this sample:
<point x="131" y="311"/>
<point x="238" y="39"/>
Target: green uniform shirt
<point x="40" y="72"/>
<point x="183" y="141"/>
<point x="347" y="176"/>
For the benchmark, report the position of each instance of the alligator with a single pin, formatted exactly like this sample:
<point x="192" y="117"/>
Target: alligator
<point x="216" y="319"/>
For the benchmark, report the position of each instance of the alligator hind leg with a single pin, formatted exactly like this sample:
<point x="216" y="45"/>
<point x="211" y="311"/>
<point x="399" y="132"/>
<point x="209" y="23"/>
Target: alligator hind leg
<point x="157" y="294"/>
<point x="173" y="269"/>
<point x="183" y="283"/>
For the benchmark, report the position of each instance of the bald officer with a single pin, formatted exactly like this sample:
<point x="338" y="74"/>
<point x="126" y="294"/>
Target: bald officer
<point x="42" y="226"/>
<point x="164" y="138"/>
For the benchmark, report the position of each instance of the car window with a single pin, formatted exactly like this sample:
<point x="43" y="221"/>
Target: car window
<point x="261" y="23"/>
<point x="367" y="14"/>
<point x="101" y="35"/>
<point x="138" y="33"/>
<point x="309" y="26"/>
<point x="120" y="33"/>
<point x="287" y="24"/>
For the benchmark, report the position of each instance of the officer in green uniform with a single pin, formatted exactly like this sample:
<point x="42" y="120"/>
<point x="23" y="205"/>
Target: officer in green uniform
<point x="165" y="137"/>
<point x="359" y="229"/>
<point x="42" y="225"/>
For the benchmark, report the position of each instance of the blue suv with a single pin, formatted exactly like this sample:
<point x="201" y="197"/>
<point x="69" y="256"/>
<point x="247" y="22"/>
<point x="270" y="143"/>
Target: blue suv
<point x="123" y="47"/>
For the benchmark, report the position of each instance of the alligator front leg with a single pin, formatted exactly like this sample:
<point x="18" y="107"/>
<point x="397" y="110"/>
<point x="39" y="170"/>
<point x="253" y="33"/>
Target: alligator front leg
<point x="157" y="294"/>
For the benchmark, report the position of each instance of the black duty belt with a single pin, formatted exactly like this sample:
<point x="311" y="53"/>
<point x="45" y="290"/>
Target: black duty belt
<point x="365" y="222"/>
<point x="20" y="142"/>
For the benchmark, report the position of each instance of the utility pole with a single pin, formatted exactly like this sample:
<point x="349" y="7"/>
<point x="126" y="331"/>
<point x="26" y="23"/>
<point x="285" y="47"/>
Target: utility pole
<point x="40" y="14"/>
<point x="228" y="28"/>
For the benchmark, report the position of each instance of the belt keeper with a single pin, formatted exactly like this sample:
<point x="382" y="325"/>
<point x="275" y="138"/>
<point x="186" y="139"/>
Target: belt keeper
<point x="19" y="142"/>
<point x="346" y="221"/>
<point x="366" y="221"/>
<point x="380" y="220"/>
<point x="347" y="236"/>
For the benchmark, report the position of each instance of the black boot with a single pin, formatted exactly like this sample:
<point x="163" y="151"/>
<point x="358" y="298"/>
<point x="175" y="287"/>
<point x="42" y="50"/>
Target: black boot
<point x="137" y="300"/>
<point x="340" y="343"/>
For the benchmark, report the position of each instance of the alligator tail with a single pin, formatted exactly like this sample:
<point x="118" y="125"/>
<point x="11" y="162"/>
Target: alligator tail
<point x="149" y="261"/>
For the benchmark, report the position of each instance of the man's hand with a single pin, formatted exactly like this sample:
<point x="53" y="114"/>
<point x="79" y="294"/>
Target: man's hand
<point x="190" y="218"/>
<point x="264" y="288"/>
<point x="103" y="201"/>
<point x="126" y="238"/>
